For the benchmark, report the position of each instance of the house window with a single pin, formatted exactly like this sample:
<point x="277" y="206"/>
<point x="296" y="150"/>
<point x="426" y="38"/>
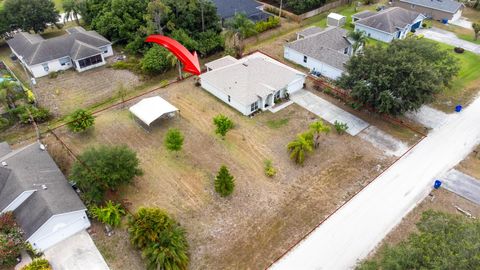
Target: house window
<point x="45" y="67"/>
<point x="254" y="106"/>
<point x="368" y="34"/>
<point x="228" y="98"/>
<point x="277" y="95"/>
<point x="90" y="61"/>
<point x="412" y="6"/>
<point x="305" y="59"/>
<point x="104" y="49"/>
<point x="345" y="51"/>
<point x="64" y="61"/>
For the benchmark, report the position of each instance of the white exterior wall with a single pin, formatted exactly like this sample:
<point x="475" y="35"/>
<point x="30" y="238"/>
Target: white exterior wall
<point x="245" y="110"/>
<point x="58" y="228"/>
<point x="109" y="53"/>
<point x="375" y="34"/>
<point x="326" y="70"/>
<point x="296" y="85"/>
<point x="18" y="201"/>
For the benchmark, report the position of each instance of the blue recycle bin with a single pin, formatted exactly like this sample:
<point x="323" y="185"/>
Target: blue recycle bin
<point x="437" y="184"/>
<point x="458" y="108"/>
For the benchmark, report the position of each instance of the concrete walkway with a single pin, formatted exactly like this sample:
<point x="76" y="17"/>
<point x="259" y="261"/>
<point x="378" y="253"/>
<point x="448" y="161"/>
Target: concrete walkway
<point x="448" y="38"/>
<point x="328" y="111"/>
<point x="462" y="185"/>
<point x="428" y="116"/>
<point x="353" y="231"/>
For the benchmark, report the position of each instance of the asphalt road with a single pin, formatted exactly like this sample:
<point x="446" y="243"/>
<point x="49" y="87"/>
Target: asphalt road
<point x="356" y="228"/>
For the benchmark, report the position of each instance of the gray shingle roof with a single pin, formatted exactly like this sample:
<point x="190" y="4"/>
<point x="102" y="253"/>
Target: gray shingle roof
<point x="219" y="63"/>
<point x="310" y="31"/>
<point x="36" y="50"/>
<point x="443" y="5"/>
<point x="364" y="14"/>
<point x="327" y="46"/>
<point x="253" y="76"/>
<point x="390" y="20"/>
<point x="29" y="168"/>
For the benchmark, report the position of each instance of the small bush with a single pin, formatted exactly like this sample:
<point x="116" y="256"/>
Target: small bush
<point x="174" y="140"/>
<point x="30" y="96"/>
<point x="459" y="50"/>
<point x="223" y="124"/>
<point x="4" y="123"/>
<point x="11" y="240"/>
<point x="40" y="115"/>
<point x="424" y="25"/>
<point x="38" y="264"/>
<point x="224" y="182"/>
<point x="80" y="120"/>
<point x="340" y="127"/>
<point x="53" y="75"/>
<point x="270" y="23"/>
<point x="110" y="214"/>
<point x="270" y="171"/>
<point x="157" y="60"/>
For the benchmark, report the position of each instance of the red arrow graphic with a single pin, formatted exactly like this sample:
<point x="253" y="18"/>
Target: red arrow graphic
<point x="190" y="61"/>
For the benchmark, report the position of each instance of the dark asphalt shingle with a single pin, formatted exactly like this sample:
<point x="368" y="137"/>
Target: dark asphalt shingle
<point x="389" y="20"/>
<point x="449" y="6"/>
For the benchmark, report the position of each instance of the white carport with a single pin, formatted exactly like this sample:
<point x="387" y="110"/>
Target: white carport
<point x="150" y="109"/>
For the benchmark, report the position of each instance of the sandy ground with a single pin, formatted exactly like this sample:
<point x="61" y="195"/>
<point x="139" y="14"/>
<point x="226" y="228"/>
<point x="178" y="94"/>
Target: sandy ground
<point x="265" y="215"/>
<point x="353" y="231"/>
<point x="471" y="165"/>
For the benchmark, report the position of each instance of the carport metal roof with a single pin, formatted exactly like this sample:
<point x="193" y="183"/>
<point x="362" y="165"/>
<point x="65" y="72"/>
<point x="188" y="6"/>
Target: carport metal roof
<point x="152" y="108"/>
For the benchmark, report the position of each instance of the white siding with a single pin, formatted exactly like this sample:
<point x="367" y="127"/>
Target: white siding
<point x="18" y="201"/>
<point x="109" y="53"/>
<point x="296" y="85"/>
<point x="375" y="34"/>
<point x="324" y="69"/>
<point x="58" y="228"/>
<point x="245" y="110"/>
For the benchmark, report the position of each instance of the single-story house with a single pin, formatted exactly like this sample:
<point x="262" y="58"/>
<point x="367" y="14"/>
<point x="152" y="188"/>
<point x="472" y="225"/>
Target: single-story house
<point x="252" y="83"/>
<point x="440" y="10"/>
<point x="227" y="9"/>
<point x="44" y="204"/>
<point x="80" y="49"/>
<point x="389" y="24"/>
<point x="321" y="51"/>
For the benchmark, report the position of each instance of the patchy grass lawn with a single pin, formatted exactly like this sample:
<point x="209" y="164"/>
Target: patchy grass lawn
<point x="465" y="86"/>
<point x="264" y="216"/>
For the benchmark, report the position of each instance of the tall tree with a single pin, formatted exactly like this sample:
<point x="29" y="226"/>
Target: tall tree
<point x="359" y="39"/>
<point x="239" y="27"/>
<point x="299" y="147"/>
<point x="157" y="11"/>
<point x="31" y="15"/>
<point x="318" y="127"/>
<point x="400" y="77"/>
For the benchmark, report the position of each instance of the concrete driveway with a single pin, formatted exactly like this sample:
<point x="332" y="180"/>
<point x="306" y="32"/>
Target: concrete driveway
<point x="463" y="22"/>
<point x="462" y="185"/>
<point x="328" y="111"/>
<point x="448" y="38"/>
<point x="77" y="252"/>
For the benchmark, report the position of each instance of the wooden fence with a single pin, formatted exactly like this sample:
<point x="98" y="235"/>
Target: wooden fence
<point x="306" y="15"/>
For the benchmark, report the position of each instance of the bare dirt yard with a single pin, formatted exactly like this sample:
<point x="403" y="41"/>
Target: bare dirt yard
<point x="471" y="164"/>
<point x="72" y="90"/>
<point x="264" y="216"/>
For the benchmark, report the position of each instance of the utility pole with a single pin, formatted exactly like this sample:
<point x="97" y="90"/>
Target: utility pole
<point x="280" y="12"/>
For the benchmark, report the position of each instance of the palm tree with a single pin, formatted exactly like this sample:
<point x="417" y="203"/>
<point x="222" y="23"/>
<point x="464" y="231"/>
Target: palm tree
<point x="170" y="251"/>
<point x="317" y="128"/>
<point x="359" y="39"/>
<point x="72" y="9"/>
<point x="239" y="28"/>
<point x="300" y="146"/>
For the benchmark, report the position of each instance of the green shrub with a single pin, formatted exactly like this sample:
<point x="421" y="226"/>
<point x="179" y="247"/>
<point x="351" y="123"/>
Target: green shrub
<point x="11" y="240"/>
<point x="271" y="23"/>
<point x="38" y="264"/>
<point x="223" y="124"/>
<point x="224" y="182"/>
<point x="53" y="75"/>
<point x="110" y="214"/>
<point x="40" y="115"/>
<point x="174" y="140"/>
<point x="160" y="237"/>
<point x="270" y="171"/>
<point x="157" y="60"/>
<point x="80" y="120"/>
<point x="132" y="66"/>
<point x="340" y="127"/>
<point x="4" y="123"/>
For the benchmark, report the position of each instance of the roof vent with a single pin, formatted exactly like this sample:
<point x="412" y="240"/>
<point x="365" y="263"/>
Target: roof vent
<point x="42" y="147"/>
<point x="44" y="187"/>
<point x="4" y="164"/>
<point x="245" y="64"/>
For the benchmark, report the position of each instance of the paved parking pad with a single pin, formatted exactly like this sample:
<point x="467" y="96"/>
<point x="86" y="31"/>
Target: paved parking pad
<point x="383" y="141"/>
<point x="328" y="111"/>
<point x="462" y="185"/>
<point x="428" y="116"/>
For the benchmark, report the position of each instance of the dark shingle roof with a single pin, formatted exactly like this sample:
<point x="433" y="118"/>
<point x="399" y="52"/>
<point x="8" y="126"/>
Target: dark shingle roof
<point x="30" y="168"/>
<point x="327" y="46"/>
<point x="390" y="20"/>
<point x="443" y="5"/>
<point x="228" y="8"/>
<point x="310" y="31"/>
<point x="364" y="14"/>
<point x="36" y="50"/>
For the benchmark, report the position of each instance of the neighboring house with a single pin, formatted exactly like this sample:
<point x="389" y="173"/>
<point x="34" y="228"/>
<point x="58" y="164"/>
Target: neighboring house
<point x="227" y="9"/>
<point x="44" y="204"/>
<point x="389" y="24"/>
<point x="321" y="51"/>
<point x="441" y="10"/>
<point x="252" y="83"/>
<point x="80" y="49"/>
